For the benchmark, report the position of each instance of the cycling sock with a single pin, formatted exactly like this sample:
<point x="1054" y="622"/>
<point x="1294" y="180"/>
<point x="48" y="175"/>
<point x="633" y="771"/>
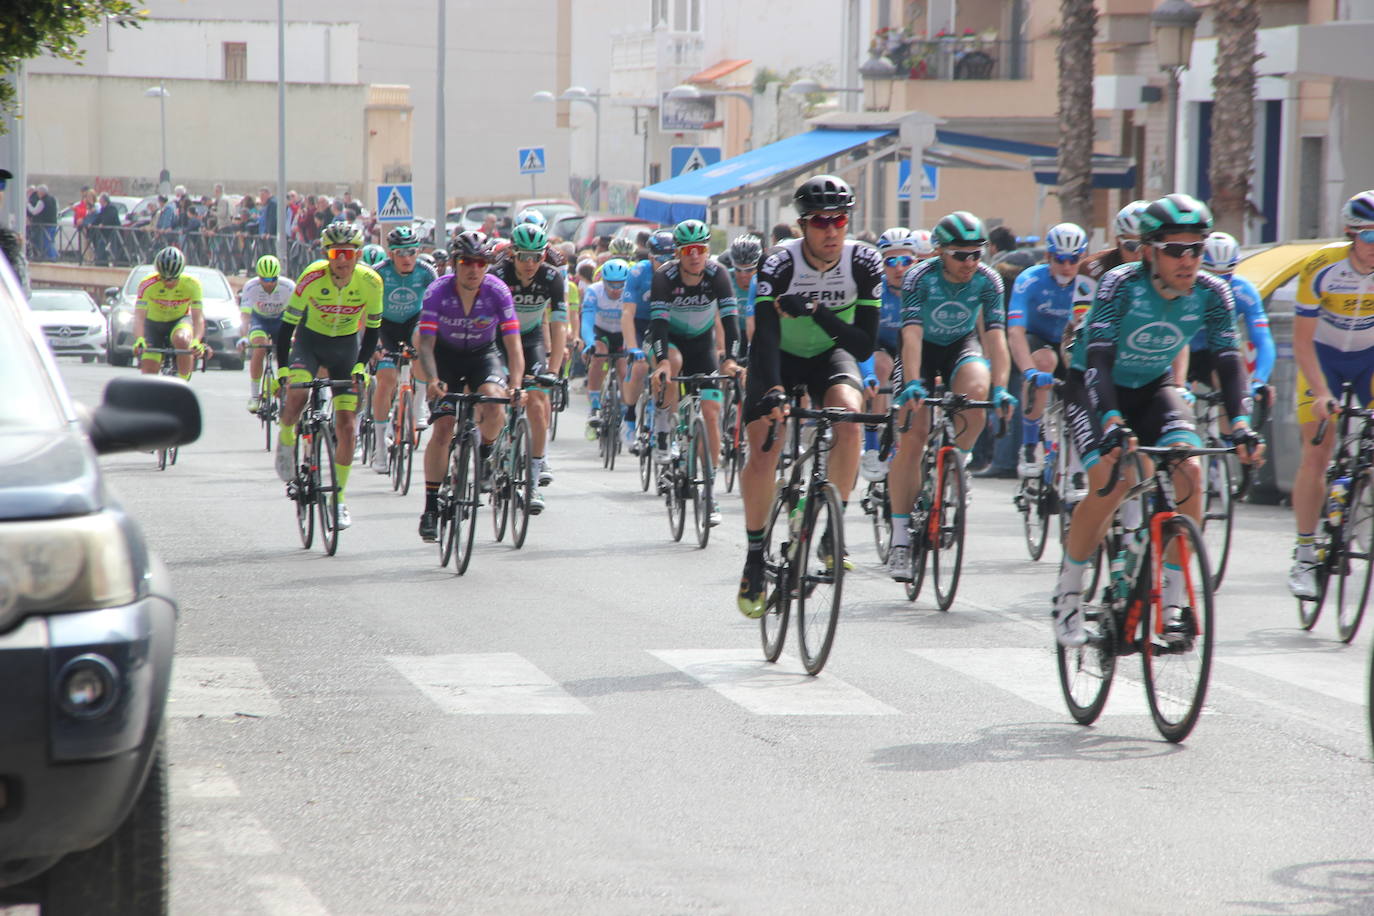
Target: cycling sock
<point x="1130" y="514"/>
<point x="253" y="385"/>
<point x="287" y="436"/>
<point x="184" y="378"/>
<point x="417" y="399"/>
<point x="661" y="420"/>
<point x="484" y="450"/>
<point x="755" y="539"/>
<point x="1030" y="432"/>
<point x="1307" y="548"/>
<point x="1071" y="575"/>
<point x="383" y="429"/>
<point x="630" y="414"/>
<point x="596" y="401"/>
<point x="901" y="536"/>
<point x="341" y="475"/>
<point x="870" y="439"/>
<point x="431" y="496"/>
<point x="1173" y="585"/>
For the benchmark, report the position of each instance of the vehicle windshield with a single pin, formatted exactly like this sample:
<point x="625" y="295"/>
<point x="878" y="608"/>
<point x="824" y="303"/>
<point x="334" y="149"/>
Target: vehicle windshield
<point x="212" y="282"/>
<point x="60" y="300"/>
<point x="475" y="215"/>
<point x="30" y="400"/>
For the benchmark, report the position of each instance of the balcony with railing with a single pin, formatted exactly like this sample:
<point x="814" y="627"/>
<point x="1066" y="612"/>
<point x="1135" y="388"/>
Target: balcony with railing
<point x="954" y="57"/>
<point x="646" y="62"/>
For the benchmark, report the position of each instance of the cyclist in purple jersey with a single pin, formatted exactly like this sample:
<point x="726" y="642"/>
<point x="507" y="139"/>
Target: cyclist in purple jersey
<point x="463" y="314"/>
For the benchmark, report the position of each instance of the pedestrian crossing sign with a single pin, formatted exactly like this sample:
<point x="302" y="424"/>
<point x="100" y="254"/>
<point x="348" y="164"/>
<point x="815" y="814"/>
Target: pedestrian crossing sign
<point x="686" y="159"/>
<point x="930" y="181"/>
<point x="531" y="160"/>
<point x="395" y="203"/>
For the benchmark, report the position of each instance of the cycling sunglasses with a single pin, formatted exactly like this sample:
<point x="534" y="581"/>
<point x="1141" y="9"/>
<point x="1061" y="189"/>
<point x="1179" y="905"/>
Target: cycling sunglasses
<point x="975" y="254"/>
<point x="1066" y="258"/>
<point x="613" y="284"/>
<point x="529" y="256"/>
<point x="1180" y="249"/>
<point x="838" y="221"/>
<point x="1130" y="245"/>
<point x="694" y="248"/>
<point x="899" y="260"/>
<point x="472" y="262"/>
<point x="1364" y="235"/>
<point x="342" y="254"/>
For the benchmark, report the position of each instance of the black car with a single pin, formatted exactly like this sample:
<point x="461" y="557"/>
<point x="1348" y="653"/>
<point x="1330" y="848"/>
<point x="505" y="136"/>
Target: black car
<point x="87" y="625"/>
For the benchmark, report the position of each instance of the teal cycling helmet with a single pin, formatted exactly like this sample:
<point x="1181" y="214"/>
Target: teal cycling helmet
<point x="691" y="232"/>
<point x="1175" y="213"/>
<point x="374" y="255"/>
<point x="615" y="271"/>
<point x="960" y="228"/>
<point x="529" y="237"/>
<point x="403" y="237"/>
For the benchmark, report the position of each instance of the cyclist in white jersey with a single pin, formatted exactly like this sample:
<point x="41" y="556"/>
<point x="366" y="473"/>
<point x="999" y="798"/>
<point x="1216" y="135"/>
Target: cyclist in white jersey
<point x="261" y="303"/>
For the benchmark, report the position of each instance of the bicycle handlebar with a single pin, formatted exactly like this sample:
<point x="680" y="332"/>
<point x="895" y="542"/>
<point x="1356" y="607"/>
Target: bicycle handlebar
<point x="322" y="383"/>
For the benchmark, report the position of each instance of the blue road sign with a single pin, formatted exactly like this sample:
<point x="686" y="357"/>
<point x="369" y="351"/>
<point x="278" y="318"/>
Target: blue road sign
<point x="531" y="160"/>
<point x="930" y="181"/>
<point x="395" y="203"/>
<point x="693" y="158"/>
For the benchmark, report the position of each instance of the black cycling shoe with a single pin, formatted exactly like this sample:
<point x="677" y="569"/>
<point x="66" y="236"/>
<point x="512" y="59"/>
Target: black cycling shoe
<point x="429" y="526"/>
<point x="751" y="590"/>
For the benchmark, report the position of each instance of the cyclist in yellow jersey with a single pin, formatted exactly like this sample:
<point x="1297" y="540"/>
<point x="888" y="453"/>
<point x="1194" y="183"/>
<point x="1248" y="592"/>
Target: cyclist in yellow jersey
<point x="333" y="298"/>
<point x="1333" y="343"/>
<point x="168" y="314"/>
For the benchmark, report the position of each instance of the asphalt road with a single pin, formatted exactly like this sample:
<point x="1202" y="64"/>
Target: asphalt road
<point x="586" y="725"/>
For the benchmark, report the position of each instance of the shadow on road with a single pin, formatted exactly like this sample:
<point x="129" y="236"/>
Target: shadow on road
<point x="1332" y="888"/>
<point x="1019" y="744"/>
<point x="634" y="683"/>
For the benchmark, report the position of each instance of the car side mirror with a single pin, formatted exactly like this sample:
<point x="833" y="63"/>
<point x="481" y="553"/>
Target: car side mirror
<point x="111" y="293"/>
<point x="104" y="308"/>
<point x="144" y="413"/>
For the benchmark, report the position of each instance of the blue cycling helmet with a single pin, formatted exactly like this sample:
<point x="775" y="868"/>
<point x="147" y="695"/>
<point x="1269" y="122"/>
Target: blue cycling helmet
<point x="615" y="271"/>
<point x="662" y="243"/>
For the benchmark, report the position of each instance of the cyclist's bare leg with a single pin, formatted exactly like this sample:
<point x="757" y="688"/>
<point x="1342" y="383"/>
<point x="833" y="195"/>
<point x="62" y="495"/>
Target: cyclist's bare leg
<point x="490" y="416"/>
<point x="596" y="368"/>
<point x="1044" y="360"/>
<point x="757" y="476"/>
<point x="904" y="475"/>
<point x="293" y="406"/>
<point x="636" y="383"/>
<point x="710" y="415"/>
<point x="1093" y="516"/>
<point x="436" y="450"/>
<point x="844" y="458"/>
<point x="972" y="379"/>
<point x="345" y="436"/>
<point x="1311" y="477"/>
<point x="382" y="393"/>
<point x="882" y="368"/>
<point x="537" y="410"/>
<point x="181" y="340"/>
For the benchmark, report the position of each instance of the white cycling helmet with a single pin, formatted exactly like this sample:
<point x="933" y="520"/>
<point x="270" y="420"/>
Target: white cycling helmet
<point x="1128" y="218"/>
<point x="923" y="242"/>
<point x="1066" y="238"/>
<point x="896" y="237"/>
<point x="1220" y="253"/>
<point x="1358" y="212"/>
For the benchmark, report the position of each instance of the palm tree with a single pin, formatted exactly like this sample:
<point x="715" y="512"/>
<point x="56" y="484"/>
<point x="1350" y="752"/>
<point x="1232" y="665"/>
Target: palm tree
<point x="1077" y="30"/>
<point x="1233" y="111"/>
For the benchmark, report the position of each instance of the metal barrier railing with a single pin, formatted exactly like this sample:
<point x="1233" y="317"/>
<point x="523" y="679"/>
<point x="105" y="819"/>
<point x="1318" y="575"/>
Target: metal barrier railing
<point x="126" y="246"/>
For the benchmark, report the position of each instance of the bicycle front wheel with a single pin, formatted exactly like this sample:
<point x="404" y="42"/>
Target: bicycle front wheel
<point x="674" y="478"/>
<point x="820" y="576"/>
<point x="699" y="475"/>
<point x="879" y="509"/>
<point x="1217" y="511"/>
<point x="1176" y="643"/>
<point x="304" y="498"/>
<point x="947" y="530"/>
<point x="326" y="490"/>
<point x="777" y="573"/>
<point x="266" y="404"/>
<point x="501" y="495"/>
<point x="469" y="501"/>
<point x="1085" y="672"/>
<point x="522" y="483"/>
<point x="731" y="439"/>
<point x="1357" y="548"/>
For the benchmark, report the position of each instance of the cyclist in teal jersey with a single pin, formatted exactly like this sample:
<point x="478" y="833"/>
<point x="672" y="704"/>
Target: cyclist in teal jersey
<point x="742" y="263"/>
<point x="404" y="281"/>
<point x="1122" y="386"/>
<point x="661" y="250"/>
<point x="953" y="310"/>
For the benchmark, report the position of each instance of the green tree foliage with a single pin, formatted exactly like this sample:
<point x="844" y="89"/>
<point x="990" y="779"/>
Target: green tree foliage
<point x="29" y="28"/>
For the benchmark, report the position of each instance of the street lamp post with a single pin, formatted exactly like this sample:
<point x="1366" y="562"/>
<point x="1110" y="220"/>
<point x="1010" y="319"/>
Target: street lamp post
<point x="580" y="94"/>
<point x="160" y="93"/>
<point x="1173" y="22"/>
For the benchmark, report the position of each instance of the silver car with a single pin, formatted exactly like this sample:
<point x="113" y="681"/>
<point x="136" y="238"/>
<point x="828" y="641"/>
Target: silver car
<point x="220" y="306"/>
<point x="72" y="323"/>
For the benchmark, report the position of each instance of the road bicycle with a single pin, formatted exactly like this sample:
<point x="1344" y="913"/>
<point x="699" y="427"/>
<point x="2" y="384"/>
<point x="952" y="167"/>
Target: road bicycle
<point x="803" y="553"/>
<point x="366" y="446"/>
<point x="404" y="425"/>
<point x="1345" y="542"/>
<point x="1175" y="644"/>
<point x="512" y="470"/>
<point x="877" y="505"/>
<point x="937" y="519"/>
<point x="611" y="414"/>
<point x="315" y="488"/>
<point x="168" y="456"/>
<point x="558" y="395"/>
<point x="688" y="475"/>
<point x="734" y="444"/>
<point x="460" y="491"/>
<point x="268" y="392"/>
<point x="1224" y="485"/>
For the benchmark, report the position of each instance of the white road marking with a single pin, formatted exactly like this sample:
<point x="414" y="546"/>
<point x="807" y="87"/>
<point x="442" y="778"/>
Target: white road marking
<point x="494" y="683"/>
<point x="1031" y="675"/>
<point x="286" y="895"/>
<point x="202" y="782"/>
<point x="1332" y="676"/>
<point x="219" y="686"/>
<point x="781" y="689"/>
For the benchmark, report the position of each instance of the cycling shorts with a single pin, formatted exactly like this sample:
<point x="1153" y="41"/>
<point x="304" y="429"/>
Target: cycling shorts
<point x="614" y="340"/>
<point x="337" y="355"/>
<point x="1356" y="367"/>
<point x="393" y="335"/>
<point x="698" y="353"/>
<point x="943" y="360"/>
<point x="466" y="371"/>
<point x="1156" y="413"/>
<point x="257" y="324"/>
<point x="818" y="373"/>
<point x="536" y="354"/>
<point x="158" y="334"/>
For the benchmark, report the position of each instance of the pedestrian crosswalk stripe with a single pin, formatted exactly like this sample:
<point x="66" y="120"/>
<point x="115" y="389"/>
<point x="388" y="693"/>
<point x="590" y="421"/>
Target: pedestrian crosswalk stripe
<point x="286" y="895"/>
<point x="1031" y="675"/>
<point x="1332" y="677"/>
<point x="499" y="683"/>
<point x="218" y="686"/>
<point x="781" y="689"/>
<point x="202" y="782"/>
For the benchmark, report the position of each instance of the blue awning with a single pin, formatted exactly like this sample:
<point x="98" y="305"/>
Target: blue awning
<point x="687" y="196"/>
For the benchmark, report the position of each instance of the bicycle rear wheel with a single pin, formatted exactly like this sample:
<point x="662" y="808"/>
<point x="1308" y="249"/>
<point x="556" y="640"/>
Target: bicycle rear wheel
<point x="1309" y="609"/>
<point x="699" y="482"/>
<point x="673" y="476"/>
<point x="1357" y="549"/>
<point x="1217" y="512"/>
<point x="947" y="551"/>
<point x="501" y="495"/>
<point x="732" y="439"/>
<point x="1085" y="672"/>
<point x="777" y="579"/>
<point x="326" y="490"/>
<point x="522" y="483"/>
<point x="820" y="576"/>
<point x="469" y="501"/>
<point x="304" y="497"/>
<point x="1035" y="521"/>
<point x="918" y="528"/>
<point x="267" y="404"/>
<point x="879" y="509"/>
<point x="1177" y="646"/>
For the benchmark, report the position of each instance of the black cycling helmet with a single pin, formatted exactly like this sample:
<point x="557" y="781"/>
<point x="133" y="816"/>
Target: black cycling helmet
<point x="746" y="251"/>
<point x="1175" y="213"/>
<point x="662" y="242"/>
<point x="469" y="244"/>
<point x="823" y="192"/>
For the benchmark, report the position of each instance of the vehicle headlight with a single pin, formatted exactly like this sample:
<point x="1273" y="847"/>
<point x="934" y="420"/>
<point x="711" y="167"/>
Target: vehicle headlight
<point x="122" y="317"/>
<point x="69" y="564"/>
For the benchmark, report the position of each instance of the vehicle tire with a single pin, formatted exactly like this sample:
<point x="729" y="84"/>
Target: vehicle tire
<point x="119" y="360"/>
<point x="126" y="874"/>
<point x="820" y="577"/>
<point x="1178" y="656"/>
<point x="1217" y="511"/>
<point x="1356" y="559"/>
<point x="522" y="483"/>
<point x="326" y="490"/>
<point x="699" y="475"/>
<point x="777" y="578"/>
<point x="469" y="501"/>
<point x="947" y="553"/>
<point x="87" y="359"/>
<point x="1085" y="672"/>
<point x="305" y="501"/>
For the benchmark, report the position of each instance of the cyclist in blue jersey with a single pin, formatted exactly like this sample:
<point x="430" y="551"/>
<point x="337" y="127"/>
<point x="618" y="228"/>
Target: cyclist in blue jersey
<point x="1220" y="255"/>
<point x="742" y="265"/>
<point x="607" y="327"/>
<point x="1041" y="306"/>
<point x="404" y="281"/>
